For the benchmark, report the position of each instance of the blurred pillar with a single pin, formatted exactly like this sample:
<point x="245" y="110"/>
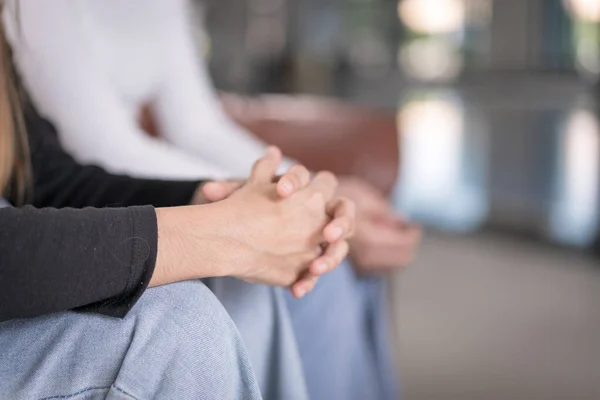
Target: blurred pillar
<point x="315" y="42"/>
<point x="515" y="34"/>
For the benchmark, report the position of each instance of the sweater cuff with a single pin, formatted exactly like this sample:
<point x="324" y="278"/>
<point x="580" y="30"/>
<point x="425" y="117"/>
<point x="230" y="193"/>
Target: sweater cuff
<point x="143" y="250"/>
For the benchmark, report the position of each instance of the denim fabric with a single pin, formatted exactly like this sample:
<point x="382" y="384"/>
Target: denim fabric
<point x="262" y="317"/>
<point x="184" y="364"/>
<point x="178" y="342"/>
<point x="335" y="346"/>
<point x="343" y="338"/>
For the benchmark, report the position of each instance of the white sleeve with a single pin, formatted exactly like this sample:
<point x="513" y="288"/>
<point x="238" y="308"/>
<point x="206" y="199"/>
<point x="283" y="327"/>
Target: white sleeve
<point x="68" y="88"/>
<point x="190" y="114"/>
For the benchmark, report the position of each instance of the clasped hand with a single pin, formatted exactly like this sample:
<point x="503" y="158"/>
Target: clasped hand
<point x="289" y="230"/>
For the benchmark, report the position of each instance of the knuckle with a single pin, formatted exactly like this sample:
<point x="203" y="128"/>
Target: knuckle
<point x="327" y="175"/>
<point x="293" y="179"/>
<point x="304" y="175"/>
<point x="258" y="163"/>
<point x="294" y="170"/>
<point x="331" y="176"/>
<point x="317" y="200"/>
<point x="350" y="205"/>
<point x="300" y="169"/>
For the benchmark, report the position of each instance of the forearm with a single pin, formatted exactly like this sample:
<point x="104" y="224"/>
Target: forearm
<point x="184" y="233"/>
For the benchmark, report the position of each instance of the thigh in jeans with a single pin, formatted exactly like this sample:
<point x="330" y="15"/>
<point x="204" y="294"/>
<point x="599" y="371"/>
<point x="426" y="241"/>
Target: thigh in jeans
<point x="178" y="342"/>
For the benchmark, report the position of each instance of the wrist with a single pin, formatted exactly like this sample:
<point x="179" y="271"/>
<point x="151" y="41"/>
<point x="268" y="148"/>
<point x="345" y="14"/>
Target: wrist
<point x="189" y="243"/>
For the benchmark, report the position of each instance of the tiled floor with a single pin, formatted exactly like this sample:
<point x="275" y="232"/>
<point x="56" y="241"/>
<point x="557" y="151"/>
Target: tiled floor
<point x="493" y="318"/>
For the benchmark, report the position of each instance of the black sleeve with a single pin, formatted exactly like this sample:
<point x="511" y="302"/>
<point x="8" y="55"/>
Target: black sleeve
<point x="59" y="181"/>
<point x="54" y="260"/>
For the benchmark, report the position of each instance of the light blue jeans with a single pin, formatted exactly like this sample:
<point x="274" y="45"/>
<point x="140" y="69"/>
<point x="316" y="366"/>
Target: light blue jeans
<point x="343" y="334"/>
<point x="184" y="341"/>
<point x="262" y="317"/>
<point x="178" y="342"/>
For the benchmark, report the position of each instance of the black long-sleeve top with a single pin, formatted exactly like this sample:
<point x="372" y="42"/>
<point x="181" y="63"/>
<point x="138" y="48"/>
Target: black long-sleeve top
<point x="101" y="258"/>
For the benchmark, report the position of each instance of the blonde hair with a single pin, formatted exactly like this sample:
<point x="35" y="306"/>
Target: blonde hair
<point x="7" y="134"/>
<point x="14" y="154"/>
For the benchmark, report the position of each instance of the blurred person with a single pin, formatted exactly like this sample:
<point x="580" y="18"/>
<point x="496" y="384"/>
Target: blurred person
<point x="92" y="66"/>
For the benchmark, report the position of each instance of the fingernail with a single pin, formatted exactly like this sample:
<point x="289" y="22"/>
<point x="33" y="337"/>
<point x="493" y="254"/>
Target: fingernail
<point x="321" y="267"/>
<point x="336" y="232"/>
<point x="286" y="187"/>
<point x="301" y="293"/>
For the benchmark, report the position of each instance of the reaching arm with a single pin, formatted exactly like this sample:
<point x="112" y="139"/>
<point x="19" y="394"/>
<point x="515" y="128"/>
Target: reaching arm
<point x="189" y="113"/>
<point x="68" y="87"/>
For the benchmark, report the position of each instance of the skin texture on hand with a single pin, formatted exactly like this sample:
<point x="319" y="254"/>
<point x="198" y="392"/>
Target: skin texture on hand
<point x="265" y="232"/>
<point x="379" y="247"/>
<point x="341" y="211"/>
<point x="383" y="241"/>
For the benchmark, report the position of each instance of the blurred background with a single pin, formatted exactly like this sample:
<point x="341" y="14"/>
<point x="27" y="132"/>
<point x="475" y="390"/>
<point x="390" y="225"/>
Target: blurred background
<point x="495" y="105"/>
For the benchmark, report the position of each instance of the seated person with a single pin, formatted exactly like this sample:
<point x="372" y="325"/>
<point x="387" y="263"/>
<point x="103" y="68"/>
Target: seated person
<point x="91" y="66"/>
<point x="174" y="340"/>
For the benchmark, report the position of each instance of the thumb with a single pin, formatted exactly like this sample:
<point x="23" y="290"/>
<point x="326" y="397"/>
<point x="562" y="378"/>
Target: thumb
<point x="217" y="191"/>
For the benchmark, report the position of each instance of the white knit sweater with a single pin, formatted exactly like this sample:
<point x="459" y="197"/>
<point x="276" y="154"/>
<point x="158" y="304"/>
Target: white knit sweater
<point x="89" y="66"/>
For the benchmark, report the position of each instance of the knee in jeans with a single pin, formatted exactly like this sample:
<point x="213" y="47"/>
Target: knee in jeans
<point x="185" y="305"/>
<point x="191" y="327"/>
<point x="177" y="337"/>
<point x="187" y="313"/>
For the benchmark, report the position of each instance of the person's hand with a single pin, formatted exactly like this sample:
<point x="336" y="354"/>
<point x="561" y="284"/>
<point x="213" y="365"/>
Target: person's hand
<point x="297" y="178"/>
<point x="271" y="233"/>
<point x="213" y="191"/>
<point x="307" y="218"/>
<point x="364" y="195"/>
<point x="383" y="241"/>
<point x="382" y="244"/>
